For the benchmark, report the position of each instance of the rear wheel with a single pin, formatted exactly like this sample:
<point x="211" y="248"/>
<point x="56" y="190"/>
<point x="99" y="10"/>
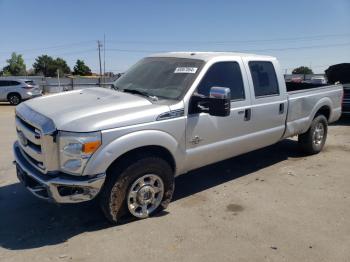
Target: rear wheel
<point x="14" y="99"/>
<point x="138" y="189"/>
<point x="313" y="140"/>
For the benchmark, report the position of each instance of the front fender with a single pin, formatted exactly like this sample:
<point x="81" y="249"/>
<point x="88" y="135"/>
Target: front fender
<point x="105" y="156"/>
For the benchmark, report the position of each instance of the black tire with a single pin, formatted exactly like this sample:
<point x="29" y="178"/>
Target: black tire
<point x="14" y="99"/>
<point x="309" y="142"/>
<point x="119" y="179"/>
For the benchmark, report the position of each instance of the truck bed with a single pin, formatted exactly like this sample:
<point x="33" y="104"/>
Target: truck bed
<point x="303" y="105"/>
<point x="292" y="86"/>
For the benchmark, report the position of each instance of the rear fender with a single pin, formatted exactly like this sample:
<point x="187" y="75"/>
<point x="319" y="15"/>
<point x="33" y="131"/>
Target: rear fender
<point x="301" y="124"/>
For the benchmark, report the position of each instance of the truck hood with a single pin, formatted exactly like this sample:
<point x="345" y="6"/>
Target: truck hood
<point x="94" y="109"/>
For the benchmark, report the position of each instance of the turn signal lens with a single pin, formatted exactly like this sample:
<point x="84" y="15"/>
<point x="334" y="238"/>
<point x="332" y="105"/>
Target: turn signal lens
<point x="91" y="147"/>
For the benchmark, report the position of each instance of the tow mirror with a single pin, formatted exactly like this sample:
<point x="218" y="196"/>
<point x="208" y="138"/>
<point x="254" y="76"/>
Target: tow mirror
<point x="220" y="101"/>
<point x="217" y="104"/>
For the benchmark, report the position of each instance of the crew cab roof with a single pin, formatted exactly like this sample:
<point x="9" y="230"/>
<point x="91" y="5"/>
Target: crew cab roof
<point x="206" y="56"/>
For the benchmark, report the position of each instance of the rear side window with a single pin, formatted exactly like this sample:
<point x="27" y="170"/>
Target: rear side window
<point x="264" y="78"/>
<point x="223" y="74"/>
<point x="9" y="83"/>
<point x="13" y="83"/>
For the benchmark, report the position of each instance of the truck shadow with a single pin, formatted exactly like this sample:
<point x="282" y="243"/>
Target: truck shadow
<point x="27" y="222"/>
<point x="227" y="170"/>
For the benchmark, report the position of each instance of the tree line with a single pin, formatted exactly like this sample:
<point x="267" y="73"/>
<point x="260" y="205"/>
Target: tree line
<point x="44" y="65"/>
<point x="50" y="67"/>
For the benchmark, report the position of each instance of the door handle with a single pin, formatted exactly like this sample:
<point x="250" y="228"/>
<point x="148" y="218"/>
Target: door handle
<point x="281" y="109"/>
<point x="247" y="114"/>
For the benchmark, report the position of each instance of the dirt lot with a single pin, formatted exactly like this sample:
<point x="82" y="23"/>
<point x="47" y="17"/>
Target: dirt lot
<point x="270" y="205"/>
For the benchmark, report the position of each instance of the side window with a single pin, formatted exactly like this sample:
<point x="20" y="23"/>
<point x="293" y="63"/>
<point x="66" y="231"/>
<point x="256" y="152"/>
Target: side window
<point x="223" y="74"/>
<point x="13" y="83"/>
<point x="5" y="83"/>
<point x="264" y="78"/>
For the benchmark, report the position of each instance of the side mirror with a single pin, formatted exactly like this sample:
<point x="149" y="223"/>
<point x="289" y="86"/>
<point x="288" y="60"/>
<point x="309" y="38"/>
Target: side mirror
<point x="219" y="101"/>
<point x="217" y="104"/>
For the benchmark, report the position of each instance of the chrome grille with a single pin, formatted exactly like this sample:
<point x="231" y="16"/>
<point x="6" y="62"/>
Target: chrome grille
<point x="35" y="135"/>
<point x="29" y="138"/>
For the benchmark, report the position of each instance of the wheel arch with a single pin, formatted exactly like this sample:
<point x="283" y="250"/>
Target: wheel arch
<point x="324" y="107"/>
<point x="324" y="110"/>
<point x="152" y="150"/>
<point x="154" y="142"/>
<point x="13" y="93"/>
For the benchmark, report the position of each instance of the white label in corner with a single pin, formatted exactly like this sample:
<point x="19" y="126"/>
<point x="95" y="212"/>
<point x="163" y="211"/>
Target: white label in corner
<point x="185" y="70"/>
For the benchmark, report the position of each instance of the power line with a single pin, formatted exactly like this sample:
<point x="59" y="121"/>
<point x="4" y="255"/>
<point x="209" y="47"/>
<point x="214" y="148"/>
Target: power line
<point x="295" y="48"/>
<point x="57" y="47"/>
<point x="64" y="54"/>
<point x="314" y="37"/>
<point x="136" y="50"/>
<point x="240" y="50"/>
<point x="65" y="46"/>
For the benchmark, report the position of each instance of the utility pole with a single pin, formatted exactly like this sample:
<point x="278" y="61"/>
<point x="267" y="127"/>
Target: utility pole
<point x="99" y="45"/>
<point x="58" y="79"/>
<point x="104" y="58"/>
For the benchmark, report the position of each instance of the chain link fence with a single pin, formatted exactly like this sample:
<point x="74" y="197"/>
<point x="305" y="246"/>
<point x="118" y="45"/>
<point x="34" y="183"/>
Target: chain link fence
<point x="56" y="85"/>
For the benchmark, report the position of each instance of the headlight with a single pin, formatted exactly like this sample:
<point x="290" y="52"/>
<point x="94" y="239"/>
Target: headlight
<point x="76" y="149"/>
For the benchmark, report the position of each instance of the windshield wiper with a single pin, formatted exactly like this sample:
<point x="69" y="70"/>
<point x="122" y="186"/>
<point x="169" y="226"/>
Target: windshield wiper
<point x="138" y="92"/>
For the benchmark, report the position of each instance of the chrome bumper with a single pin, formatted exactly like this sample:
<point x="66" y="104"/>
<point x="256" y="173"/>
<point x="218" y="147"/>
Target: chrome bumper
<point x="59" y="188"/>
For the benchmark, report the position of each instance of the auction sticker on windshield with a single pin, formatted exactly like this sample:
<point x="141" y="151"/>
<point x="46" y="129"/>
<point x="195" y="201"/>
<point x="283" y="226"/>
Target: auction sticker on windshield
<point x="185" y="70"/>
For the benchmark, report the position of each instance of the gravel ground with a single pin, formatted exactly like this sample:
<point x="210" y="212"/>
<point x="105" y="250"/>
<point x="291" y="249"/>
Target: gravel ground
<point x="273" y="204"/>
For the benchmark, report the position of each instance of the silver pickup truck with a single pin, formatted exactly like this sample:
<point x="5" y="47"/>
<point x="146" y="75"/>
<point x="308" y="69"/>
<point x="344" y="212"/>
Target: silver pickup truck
<point x="170" y="113"/>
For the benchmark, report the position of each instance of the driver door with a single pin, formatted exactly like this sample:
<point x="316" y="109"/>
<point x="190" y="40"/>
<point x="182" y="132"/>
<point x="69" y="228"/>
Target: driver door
<point x="210" y="138"/>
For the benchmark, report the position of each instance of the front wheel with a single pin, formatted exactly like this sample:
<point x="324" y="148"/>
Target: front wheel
<point x="313" y="140"/>
<point x="139" y="189"/>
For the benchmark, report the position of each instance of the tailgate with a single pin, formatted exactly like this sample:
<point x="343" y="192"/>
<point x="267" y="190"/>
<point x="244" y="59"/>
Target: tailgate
<point x="346" y="99"/>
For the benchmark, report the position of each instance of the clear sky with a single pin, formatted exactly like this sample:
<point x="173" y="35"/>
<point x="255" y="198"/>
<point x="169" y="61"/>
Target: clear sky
<point x="299" y="32"/>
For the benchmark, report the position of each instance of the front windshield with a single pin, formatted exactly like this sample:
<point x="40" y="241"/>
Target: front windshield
<point x="162" y="77"/>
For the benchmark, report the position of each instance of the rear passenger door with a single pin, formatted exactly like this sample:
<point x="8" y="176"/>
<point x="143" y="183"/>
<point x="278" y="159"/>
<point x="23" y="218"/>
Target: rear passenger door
<point x="268" y="101"/>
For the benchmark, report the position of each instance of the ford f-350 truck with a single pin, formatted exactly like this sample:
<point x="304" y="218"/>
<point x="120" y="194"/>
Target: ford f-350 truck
<point x="169" y="114"/>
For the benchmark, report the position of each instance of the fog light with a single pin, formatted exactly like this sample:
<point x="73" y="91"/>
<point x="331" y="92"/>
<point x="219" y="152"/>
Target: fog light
<point x="73" y="164"/>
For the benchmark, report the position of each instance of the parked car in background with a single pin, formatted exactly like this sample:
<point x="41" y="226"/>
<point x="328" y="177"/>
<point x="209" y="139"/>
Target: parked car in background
<point x="296" y="79"/>
<point x="346" y="99"/>
<point x="340" y="73"/>
<point x="318" y="80"/>
<point x="16" y="90"/>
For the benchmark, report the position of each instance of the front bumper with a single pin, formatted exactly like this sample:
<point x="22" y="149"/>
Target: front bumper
<point x="58" y="188"/>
